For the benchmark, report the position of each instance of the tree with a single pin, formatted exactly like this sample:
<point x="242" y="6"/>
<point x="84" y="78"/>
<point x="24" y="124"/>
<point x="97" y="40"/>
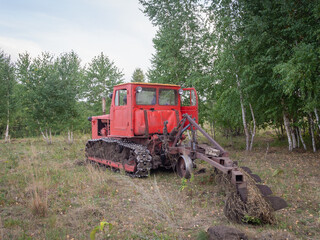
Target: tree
<point x="183" y="49"/>
<point x="100" y="78"/>
<point x="50" y="90"/>
<point x="7" y="84"/>
<point x="138" y="75"/>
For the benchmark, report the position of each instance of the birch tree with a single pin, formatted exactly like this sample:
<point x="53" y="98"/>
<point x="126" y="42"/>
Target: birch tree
<point x="7" y="83"/>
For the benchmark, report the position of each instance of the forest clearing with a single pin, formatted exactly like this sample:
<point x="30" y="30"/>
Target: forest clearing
<point x="247" y="72"/>
<point x="48" y="192"/>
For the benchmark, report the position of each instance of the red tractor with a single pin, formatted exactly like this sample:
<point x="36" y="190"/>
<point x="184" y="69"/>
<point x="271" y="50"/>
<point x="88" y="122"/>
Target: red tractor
<point x="154" y="125"/>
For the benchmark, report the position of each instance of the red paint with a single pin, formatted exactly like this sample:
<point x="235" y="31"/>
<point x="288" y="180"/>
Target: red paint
<point x="155" y="121"/>
<point x="128" y="168"/>
<point x="128" y="121"/>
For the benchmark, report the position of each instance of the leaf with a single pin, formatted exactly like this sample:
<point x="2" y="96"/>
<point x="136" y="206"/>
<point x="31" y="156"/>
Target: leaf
<point x="277" y="172"/>
<point x="93" y="233"/>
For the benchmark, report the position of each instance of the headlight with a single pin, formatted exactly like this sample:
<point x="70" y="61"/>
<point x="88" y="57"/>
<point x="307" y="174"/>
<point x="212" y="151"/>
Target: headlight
<point x="138" y="89"/>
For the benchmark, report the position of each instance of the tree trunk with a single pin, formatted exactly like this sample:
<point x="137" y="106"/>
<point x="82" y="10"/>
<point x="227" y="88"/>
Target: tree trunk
<point x="287" y="127"/>
<point x="50" y="135"/>
<point x="311" y="127"/>
<point x="7" y="136"/>
<point x="282" y="132"/>
<point x="317" y="118"/>
<point x="243" y="111"/>
<point x="45" y="136"/>
<point x="293" y="137"/>
<point x="70" y="137"/>
<point x="301" y="138"/>
<point x="297" y="135"/>
<point x="253" y="132"/>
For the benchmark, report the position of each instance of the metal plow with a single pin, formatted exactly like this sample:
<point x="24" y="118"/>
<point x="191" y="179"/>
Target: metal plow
<point x="248" y="190"/>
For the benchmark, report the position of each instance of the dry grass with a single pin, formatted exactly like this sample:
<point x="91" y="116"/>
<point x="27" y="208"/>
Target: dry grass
<point x="255" y="211"/>
<point x="70" y="198"/>
<point x="39" y="201"/>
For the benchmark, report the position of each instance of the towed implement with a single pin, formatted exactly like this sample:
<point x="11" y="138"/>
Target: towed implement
<point x="148" y="127"/>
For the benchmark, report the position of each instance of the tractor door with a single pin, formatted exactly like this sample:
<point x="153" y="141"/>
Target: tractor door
<point x="121" y="113"/>
<point x="189" y="102"/>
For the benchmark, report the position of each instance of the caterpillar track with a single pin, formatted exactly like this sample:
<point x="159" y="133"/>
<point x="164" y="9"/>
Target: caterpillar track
<point x="135" y="159"/>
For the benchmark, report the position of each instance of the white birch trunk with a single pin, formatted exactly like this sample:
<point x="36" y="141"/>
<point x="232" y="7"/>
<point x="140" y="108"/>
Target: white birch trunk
<point x="317" y="118"/>
<point x="243" y="111"/>
<point x="311" y="126"/>
<point x="301" y="138"/>
<point x="293" y="137"/>
<point x="45" y="135"/>
<point x="253" y="132"/>
<point x="50" y="136"/>
<point x="70" y="137"/>
<point x="6" y="136"/>
<point x="287" y="127"/>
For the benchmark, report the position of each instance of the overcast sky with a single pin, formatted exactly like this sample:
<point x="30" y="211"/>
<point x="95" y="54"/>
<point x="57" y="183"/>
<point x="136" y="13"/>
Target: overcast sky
<point x="116" y="27"/>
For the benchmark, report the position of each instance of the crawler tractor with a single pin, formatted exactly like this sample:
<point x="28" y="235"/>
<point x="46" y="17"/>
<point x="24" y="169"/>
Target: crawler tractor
<point x="155" y="125"/>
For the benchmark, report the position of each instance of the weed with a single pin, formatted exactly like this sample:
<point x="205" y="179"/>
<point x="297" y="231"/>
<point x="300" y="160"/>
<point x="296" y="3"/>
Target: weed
<point x="183" y="185"/>
<point x="184" y="182"/>
<point x="101" y="228"/>
<point x="10" y="223"/>
<point x="251" y="220"/>
<point x="202" y="235"/>
<point x="39" y="204"/>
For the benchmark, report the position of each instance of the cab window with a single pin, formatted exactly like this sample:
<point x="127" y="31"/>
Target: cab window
<point x="148" y="96"/>
<point x="120" y="98"/>
<point x="188" y="98"/>
<point x="168" y="97"/>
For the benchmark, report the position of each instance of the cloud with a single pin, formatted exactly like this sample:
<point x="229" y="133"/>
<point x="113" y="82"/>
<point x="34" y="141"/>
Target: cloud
<point x="14" y="46"/>
<point x="117" y="28"/>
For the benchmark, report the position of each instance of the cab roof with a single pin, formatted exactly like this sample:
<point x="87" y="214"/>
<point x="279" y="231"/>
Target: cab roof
<point x="148" y="84"/>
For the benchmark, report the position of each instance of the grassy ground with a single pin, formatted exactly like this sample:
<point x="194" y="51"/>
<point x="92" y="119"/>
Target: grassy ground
<point x="46" y="193"/>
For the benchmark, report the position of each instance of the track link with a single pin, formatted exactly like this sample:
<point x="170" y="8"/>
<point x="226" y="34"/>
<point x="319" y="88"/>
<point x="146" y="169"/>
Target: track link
<point x="120" y="153"/>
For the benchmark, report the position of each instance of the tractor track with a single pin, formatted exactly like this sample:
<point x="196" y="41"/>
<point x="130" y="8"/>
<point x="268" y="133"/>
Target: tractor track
<point x="123" y="152"/>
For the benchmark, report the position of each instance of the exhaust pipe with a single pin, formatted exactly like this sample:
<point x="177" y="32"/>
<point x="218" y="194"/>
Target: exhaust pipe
<point x="103" y="105"/>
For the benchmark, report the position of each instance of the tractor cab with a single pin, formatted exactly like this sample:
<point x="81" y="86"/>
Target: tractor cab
<point x="139" y="110"/>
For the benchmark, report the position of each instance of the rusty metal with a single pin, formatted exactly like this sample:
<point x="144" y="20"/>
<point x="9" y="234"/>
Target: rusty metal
<point x="178" y="136"/>
<point x="146" y="122"/>
<point x="211" y="140"/>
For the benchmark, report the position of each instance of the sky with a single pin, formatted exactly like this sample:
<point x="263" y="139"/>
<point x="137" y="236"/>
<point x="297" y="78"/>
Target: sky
<point x="115" y="27"/>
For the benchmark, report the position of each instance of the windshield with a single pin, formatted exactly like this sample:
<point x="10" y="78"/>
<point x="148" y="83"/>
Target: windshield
<point x="168" y="97"/>
<point x="146" y="97"/>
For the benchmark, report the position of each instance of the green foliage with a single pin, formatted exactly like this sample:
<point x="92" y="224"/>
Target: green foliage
<point x="184" y="182"/>
<point x="100" y="78"/>
<point x="269" y="51"/>
<point x="251" y="220"/>
<point x="7" y="85"/>
<point x="183" y="185"/>
<point x="49" y="92"/>
<point x="277" y="172"/>
<point x="138" y="76"/>
<point x="99" y="228"/>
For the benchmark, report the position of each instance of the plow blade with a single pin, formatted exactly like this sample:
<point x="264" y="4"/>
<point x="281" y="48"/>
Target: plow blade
<point x="255" y="177"/>
<point x="277" y="203"/>
<point x="247" y="170"/>
<point x="264" y="189"/>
